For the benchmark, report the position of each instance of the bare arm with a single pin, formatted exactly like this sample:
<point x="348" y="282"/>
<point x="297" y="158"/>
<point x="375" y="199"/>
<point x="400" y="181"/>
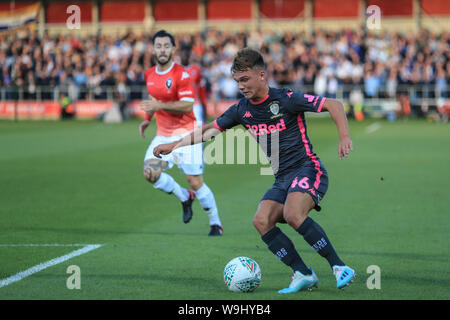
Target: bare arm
<point x="336" y="110"/>
<point x="199" y="135"/>
<point x="153" y="105"/>
<point x="145" y="123"/>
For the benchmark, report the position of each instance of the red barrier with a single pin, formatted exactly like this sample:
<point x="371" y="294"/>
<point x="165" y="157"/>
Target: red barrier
<point x="135" y="110"/>
<point x="214" y="109"/>
<point x="50" y="110"/>
<point x="29" y="110"/>
<point x="91" y="109"/>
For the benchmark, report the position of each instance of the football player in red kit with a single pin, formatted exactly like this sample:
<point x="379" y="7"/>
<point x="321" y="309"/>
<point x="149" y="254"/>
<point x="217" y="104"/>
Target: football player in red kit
<point x="171" y="100"/>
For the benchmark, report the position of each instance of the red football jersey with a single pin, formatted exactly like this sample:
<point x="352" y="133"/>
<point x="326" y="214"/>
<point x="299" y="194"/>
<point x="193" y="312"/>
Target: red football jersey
<point x="171" y="85"/>
<point x="197" y="80"/>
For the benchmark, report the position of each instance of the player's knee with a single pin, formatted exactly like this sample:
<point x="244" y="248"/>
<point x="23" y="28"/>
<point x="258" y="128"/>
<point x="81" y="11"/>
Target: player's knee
<point x="195" y="182"/>
<point x="262" y="223"/>
<point x="289" y="216"/>
<point x="258" y="222"/>
<point x="295" y="217"/>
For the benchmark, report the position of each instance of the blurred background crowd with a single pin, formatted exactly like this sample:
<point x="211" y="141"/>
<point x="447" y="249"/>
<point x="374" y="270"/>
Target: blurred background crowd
<point x="331" y="63"/>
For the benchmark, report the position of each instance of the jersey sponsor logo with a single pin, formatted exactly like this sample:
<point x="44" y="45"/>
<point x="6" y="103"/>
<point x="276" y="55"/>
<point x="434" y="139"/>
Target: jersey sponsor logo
<point x="184" y="92"/>
<point x="263" y="128"/>
<point x="185" y="75"/>
<point x="247" y="115"/>
<point x="150" y="83"/>
<point x="169" y="83"/>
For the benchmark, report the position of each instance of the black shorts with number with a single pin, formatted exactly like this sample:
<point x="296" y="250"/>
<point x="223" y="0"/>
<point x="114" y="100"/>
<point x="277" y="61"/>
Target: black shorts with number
<point x="310" y="179"/>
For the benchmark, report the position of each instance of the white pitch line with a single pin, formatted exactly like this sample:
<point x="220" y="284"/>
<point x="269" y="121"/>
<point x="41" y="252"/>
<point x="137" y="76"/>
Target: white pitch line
<point x="373" y="127"/>
<point x="44" y="265"/>
<point x="44" y="245"/>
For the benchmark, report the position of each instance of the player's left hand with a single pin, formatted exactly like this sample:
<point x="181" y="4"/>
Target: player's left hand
<point x="345" y="146"/>
<point x="150" y="106"/>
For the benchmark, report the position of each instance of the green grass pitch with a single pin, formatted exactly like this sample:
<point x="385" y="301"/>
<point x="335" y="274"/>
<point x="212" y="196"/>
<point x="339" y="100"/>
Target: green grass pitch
<point x="81" y="182"/>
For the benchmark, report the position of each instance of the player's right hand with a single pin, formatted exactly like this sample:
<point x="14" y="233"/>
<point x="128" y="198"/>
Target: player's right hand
<point x="163" y="149"/>
<point x="345" y="146"/>
<point x="144" y="124"/>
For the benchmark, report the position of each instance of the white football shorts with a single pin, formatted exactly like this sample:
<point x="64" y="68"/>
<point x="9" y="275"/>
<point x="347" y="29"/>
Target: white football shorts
<point x="189" y="159"/>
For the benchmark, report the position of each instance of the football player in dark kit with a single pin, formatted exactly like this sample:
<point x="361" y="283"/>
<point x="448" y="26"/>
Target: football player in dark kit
<point x="300" y="177"/>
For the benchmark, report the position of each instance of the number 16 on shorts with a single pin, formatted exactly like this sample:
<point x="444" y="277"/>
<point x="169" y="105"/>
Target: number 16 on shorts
<point x="303" y="183"/>
<point x="305" y="186"/>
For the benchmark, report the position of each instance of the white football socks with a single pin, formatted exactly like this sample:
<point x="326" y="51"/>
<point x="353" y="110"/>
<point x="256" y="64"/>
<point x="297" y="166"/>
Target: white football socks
<point x="204" y="195"/>
<point x="167" y="184"/>
<point x="208" y="203"/>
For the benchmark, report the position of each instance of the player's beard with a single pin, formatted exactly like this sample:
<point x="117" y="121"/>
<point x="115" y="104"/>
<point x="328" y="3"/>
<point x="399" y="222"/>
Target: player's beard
<point x="163" y="63"/>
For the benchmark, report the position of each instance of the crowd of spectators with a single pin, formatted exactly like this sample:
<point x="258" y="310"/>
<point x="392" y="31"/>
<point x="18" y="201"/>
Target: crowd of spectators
<point x="325" y="62"/>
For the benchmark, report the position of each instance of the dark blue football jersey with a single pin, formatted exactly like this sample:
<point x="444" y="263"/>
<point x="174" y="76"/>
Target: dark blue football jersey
<point x="278" y="125"/>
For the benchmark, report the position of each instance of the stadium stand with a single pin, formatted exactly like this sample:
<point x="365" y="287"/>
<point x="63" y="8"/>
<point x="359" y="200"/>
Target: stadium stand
<point x="379" y="69"/>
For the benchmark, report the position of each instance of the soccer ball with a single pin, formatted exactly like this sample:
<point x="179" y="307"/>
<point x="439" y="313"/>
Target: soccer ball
<point x="242" y="274"/>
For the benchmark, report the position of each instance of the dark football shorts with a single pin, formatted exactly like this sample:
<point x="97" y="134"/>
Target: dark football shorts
<point x="308" y="179"/>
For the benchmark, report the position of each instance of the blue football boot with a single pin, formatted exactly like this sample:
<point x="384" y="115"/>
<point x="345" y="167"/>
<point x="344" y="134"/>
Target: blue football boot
<point x="301" y="282"/>
<point x="344" y="276"/>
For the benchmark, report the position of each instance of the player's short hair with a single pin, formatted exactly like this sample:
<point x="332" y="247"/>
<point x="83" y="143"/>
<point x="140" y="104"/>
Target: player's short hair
<point x="162" y="34"/>
<point x="246" y="59"/>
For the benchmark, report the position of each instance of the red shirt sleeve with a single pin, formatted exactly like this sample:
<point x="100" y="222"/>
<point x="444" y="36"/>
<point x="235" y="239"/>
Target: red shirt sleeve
<point x="184" y="87"/>
<point x="147" y="116"/>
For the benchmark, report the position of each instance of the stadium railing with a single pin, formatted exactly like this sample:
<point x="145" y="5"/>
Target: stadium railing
<point x="342" y="92"/>
<point x="380" y="103"/>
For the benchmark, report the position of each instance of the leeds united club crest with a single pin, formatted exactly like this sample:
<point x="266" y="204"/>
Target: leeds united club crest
<point x="274" y="108"/>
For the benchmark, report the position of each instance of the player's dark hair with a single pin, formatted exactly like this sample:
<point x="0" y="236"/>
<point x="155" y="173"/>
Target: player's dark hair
<point x="162" y="34"/>
<point x="247" y="59"/>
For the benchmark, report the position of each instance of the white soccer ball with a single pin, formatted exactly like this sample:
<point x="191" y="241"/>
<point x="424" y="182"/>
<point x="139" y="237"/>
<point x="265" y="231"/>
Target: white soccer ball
<point x="242" y="274"/>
